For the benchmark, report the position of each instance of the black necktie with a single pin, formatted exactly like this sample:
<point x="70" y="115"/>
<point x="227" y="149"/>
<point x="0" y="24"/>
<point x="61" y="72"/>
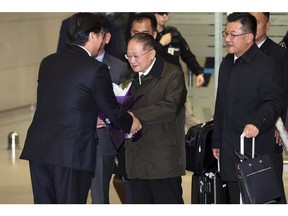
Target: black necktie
<point x="141" y="78"/>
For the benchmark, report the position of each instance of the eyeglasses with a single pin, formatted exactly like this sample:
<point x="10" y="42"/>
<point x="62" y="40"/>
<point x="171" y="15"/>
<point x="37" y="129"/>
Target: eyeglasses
<point x="232" y="36"/>
<point x="136" y="57"/>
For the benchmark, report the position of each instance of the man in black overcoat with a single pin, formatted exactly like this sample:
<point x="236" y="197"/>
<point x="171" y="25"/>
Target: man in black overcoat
<point x="248" y="99"/>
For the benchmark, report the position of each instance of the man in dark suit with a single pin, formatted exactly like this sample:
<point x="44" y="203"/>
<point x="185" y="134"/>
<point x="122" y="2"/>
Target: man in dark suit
<point x="106" y="151"/>
<point x="248" y="99"/>
<point x="62" y="41"/>
<point x="61" y="140"/>
<point x="284" y="41"/>
<point x="280" y="55"/>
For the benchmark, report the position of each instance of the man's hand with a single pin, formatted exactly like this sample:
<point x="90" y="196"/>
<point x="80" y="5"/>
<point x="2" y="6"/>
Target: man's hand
<point x="250" y="131"/>
<point x="136" y="126"/>
<point x="285" y="150"/>
<point x="216" y="153"/>
<point x="200" y="80"/>
<point x="278" y="139"/>
<point x="100" y="123"/>
<point x="166" y="39"/>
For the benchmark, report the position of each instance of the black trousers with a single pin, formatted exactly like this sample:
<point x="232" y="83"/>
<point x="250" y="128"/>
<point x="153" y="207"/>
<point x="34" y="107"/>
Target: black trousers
<point x="278" y="167"/>
<point x="157" y="191"/>
<point x="101" y="181"/>
<point x="59" y="185"/>
<point x="233" y="192"/>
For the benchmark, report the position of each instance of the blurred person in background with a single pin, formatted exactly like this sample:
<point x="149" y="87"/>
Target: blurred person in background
<point x="176" y="45"/>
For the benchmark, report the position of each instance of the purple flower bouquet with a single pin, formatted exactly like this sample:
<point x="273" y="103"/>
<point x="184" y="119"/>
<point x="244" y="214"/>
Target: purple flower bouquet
<point x="127" y="101"/>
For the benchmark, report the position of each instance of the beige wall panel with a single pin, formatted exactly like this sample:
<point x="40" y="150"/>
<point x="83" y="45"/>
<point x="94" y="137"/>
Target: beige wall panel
<point x="27" y="41"/>
<point x="189" y="18"/>
<point x="194" y="29"/>
<point x="18" y="88"/>
<point x="25" y="38"/>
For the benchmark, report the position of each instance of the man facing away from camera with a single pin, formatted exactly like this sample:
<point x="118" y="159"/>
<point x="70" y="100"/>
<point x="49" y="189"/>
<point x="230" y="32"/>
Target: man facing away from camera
<point x="73" y="87"/>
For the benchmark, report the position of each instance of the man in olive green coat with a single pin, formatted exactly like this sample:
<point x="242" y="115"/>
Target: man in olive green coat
<point x="156" y="161"/>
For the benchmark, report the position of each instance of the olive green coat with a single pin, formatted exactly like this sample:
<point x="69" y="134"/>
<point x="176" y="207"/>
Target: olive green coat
<point x="160" y="152"/>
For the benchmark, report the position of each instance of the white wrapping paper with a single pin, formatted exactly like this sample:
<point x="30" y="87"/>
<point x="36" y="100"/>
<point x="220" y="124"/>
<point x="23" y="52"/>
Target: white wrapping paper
<point x="282" y="132"/>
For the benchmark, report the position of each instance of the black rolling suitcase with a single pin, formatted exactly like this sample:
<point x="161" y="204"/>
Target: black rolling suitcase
<point x="208" y="188"/>
<point x="199" y="157"/>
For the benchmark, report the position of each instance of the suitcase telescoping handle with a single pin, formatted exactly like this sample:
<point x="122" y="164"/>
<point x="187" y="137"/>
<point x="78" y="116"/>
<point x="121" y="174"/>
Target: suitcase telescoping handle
<point x="242" y="136"/>
<point x="242" y="145"/>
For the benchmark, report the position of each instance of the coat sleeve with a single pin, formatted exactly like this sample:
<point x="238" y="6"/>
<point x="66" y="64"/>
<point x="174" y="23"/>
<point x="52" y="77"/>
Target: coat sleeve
<point x="272" y="107"/>
<point x="171" y="102"/>
<point x="106" y="100"/>
<point x="188" y="57"/>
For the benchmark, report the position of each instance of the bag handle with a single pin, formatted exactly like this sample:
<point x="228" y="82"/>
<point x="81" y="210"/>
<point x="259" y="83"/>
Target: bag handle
<point x="242" y="157"/>
<point x="207" y="123"/>
<point x="242" y="136"/>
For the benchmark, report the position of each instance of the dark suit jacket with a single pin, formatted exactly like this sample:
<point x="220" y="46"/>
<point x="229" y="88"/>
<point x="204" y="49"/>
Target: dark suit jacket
<point x="72" y="88"/>
<point x="284" y="41"/>
<point x="117" y="68"/>
<point x="62" y="42"/>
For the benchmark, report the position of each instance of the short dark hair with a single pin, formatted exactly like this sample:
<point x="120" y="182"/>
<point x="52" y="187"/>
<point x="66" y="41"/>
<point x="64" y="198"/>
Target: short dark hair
<point x="142" y="16"/>
<point x="248" y="21"/>
<point x="267" y="15"/>
<point x="106" y="23"/>
<point x="81" y="24"/>
<point x="146" y="39"/>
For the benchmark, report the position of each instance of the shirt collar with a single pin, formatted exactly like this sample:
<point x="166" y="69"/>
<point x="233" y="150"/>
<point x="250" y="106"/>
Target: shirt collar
<point x="262" y="42"/>
<point x="84" y="49"/>
<point x="100" y="57"/>
<point x="148" y="69"/>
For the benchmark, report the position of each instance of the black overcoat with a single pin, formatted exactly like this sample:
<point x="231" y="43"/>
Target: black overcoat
<point x="248" y="93"/>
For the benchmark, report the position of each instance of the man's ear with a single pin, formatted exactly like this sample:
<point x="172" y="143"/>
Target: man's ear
<point x="153" y="54"/>
<point x="268" y="26"/>
<point x="154" y="34"/>
<point x="107" y="37"/>
<point x="249" y="37"/>
<point x="91" y="36"/>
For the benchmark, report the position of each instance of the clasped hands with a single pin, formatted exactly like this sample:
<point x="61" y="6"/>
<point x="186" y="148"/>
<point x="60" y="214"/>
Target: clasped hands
<point x="136" y="125"/>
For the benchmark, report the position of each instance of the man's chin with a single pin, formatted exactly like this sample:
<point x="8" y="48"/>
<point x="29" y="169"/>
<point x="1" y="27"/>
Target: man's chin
<point x="135" y="69"/>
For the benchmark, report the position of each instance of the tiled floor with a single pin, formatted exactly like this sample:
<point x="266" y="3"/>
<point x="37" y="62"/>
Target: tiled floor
<point x="15" y="186"/>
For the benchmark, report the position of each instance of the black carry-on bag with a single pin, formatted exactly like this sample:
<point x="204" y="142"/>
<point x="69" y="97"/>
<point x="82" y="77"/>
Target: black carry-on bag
<point x="199" y="156"/>
<point x="256" y="177"/>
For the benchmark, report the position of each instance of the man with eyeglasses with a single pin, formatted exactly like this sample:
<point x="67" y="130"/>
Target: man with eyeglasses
<point x="156" y="161"/>
<point x="147" y="23"/>
<point x="73" y="87"/>
<point x="248" y="99"/>
<point x="142" y="23"/>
